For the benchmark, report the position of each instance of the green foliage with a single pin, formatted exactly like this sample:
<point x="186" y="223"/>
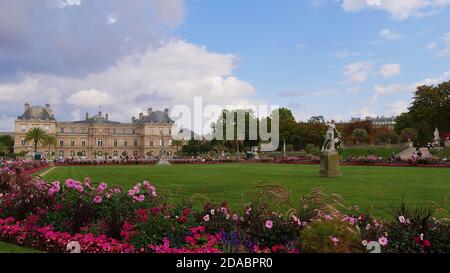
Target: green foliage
<point x="408" y="134"/>
<point x="430" y="109"/>
<point x="317" y="237"/>
<point x="37" y="136"/>
<point x="360" y="135"/>
<point x="312" y="149"/>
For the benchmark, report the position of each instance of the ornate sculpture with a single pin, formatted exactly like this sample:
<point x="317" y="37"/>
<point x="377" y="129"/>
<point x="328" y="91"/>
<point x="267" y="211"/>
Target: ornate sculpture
<point x="332" y="138"/>
<point x="437" y="138"/>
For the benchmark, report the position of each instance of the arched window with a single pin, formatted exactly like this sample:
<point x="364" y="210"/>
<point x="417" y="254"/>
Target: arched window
<point x="61" y="153"/>
<point x="115" y="153"/>
<point x="72" y="153"/>
<point x="99" y="142"/>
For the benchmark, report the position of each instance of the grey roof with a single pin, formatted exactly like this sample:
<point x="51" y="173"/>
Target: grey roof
<point x="36" y="113"/>
<point x="99" y="118"/>
<point x="155" y="117"/>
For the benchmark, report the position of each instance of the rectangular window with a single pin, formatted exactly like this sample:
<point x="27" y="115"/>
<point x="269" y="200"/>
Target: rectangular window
<point x="62" y="130"/>
<point x="114" y="131"/>
<point x="83" y="143"/>
<point x="133" y="131"/>
<point x="24" y="128"/>
<point x="125" y="143"/>
<point x="72" y="143"/>
<point x="115" y="142"/>
<point x="23" y="142"/>
<point x="61" y="143"/>
<point x="135" y="143"/>
<point x="72" y="130"/>
<point x="151" y="143"/>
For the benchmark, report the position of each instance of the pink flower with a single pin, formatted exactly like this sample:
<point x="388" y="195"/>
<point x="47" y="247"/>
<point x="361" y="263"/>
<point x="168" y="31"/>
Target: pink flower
<point x="131" y="193"/>
<point x="98" y="199"/>
<point x="248" y="211"/>
<point x="139" y="198"/>
<point x="269" y="224"/>
<point x="70" y="183"/>
<point x="335" y="240"/>
<point x="102" y="186"/>
<point x="206" y="218"/>
<point x="383" y="241"/>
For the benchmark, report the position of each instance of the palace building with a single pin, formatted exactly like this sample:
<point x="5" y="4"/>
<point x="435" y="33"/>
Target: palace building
<point x="97" y="137"/>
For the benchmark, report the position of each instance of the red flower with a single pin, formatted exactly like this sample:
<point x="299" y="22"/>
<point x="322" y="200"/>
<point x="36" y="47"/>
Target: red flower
<point x="186" y="212"/>
<point x="426" y="243"/>
<point x="155" y="210"/>
<point x="142" y="215"/>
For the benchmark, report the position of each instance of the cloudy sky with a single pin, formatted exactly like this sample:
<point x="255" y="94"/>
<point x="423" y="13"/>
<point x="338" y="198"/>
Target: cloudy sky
<point x="338" y="58"/>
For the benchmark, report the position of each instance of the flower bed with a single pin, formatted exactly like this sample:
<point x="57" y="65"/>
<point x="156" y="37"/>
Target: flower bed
<point x="105" y="219"/>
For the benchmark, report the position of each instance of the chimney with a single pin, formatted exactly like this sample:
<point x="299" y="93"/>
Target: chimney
<point x="47" y="106"/>
<point x="141" y="115"/>
<point x="150" y="110"/>
<point x="166" y="111"/>
<point x="27" y="106"/>
<point x="133" y="119"/>
<point x="106" y="116"/>
<point x="87" y="116"/>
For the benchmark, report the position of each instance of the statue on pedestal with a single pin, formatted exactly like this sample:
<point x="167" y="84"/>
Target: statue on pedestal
<point x="331" y="141"/>
<point x="162" y="154"/>
<point x="437" y="139"/>
<point x="329" y="157"/>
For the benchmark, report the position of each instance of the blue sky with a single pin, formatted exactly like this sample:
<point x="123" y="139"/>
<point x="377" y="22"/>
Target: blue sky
<point x="302" y="47"/>
<point x="337" y="58"/>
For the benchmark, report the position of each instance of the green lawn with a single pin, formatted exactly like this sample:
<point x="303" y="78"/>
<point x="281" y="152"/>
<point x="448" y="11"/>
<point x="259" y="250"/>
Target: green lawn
<point x="374" y="188"/>
<point x="8" y="248"/>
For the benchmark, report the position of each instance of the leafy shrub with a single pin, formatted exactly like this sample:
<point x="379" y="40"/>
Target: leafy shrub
<point x="333" y="236"/>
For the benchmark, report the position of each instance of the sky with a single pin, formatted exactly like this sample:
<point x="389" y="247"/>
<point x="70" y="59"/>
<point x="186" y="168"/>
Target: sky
<point x="336" y="58"/>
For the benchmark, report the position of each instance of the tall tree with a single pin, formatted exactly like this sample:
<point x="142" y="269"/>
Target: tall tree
<point x="35" y="135"/>
<point x="49" y="141"/>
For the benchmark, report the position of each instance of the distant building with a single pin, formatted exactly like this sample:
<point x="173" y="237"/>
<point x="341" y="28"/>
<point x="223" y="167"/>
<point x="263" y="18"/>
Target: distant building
<point x="377" y="122"/>
<point x="97" y="136"/>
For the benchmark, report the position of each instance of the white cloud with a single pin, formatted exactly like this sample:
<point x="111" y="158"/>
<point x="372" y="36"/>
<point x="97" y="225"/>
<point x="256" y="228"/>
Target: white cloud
<point x="90" y="98"/>
<point x="446" y="51"/>
<point x="431" y="46"/>
<point x="399" y="9"/>
<point x="69" y="3"/>
<point x="357" y="72"/>
<point x="300" y="45"/>
<point x="386" y="90"/>
<point x="396" y="108"/>
<point x="432" y="81"/>
<point x="163" y="77"/>
<point x="390" y="70"/>
<point x="390" y="34"/>
<point x="346" y="53"/>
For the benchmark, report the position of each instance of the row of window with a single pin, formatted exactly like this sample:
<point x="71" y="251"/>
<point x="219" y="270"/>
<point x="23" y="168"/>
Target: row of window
<point x="86" y="130"/>
<point x="97" y="154"/>
<point x="100" y="143"/>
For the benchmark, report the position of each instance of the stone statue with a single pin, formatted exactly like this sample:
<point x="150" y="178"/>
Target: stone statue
<point x="329" y="157"/>
<point x="437" y="138"/>
<point x="332" y="138"/>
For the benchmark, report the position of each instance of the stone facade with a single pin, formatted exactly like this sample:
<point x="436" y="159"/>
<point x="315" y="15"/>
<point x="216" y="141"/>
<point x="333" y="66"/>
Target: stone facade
<point x="97" y="136"/>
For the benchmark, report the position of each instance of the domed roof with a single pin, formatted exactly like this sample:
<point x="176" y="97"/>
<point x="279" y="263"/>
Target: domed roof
<point x="36" y="113"/>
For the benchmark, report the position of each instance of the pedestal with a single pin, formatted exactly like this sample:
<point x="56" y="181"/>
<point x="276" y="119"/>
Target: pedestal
<point x="329" y="164"/>
<point x="163" y="162"/>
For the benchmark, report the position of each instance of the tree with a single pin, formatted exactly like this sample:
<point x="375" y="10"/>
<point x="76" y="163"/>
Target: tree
<point x="49" y="141"/>
<point x="408" y="134"/>
<point x="430" y="109"/>
<point x="35" y="135"/>
<point x="7" y="141"/>
<point x="360" y="135"/>
<point x="4" y="150"/>
<point x="177" y="143"/>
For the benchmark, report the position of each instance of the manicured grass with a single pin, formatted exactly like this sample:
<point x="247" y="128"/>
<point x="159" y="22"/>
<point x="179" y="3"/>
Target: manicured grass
<point x="374" y="188"/>
<point x="384" y="152"/>
<point x="8" y="248"/>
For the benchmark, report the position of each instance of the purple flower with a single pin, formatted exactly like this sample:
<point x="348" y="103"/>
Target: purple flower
<point x="269" y="224"/>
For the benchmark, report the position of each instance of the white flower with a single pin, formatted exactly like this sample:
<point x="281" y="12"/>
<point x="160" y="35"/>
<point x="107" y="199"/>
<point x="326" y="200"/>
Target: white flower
<point x="364" y="243"/>
<point x="206" y="218"/>
<point x="401" y="219"/>
<point x="212" y="212"/>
